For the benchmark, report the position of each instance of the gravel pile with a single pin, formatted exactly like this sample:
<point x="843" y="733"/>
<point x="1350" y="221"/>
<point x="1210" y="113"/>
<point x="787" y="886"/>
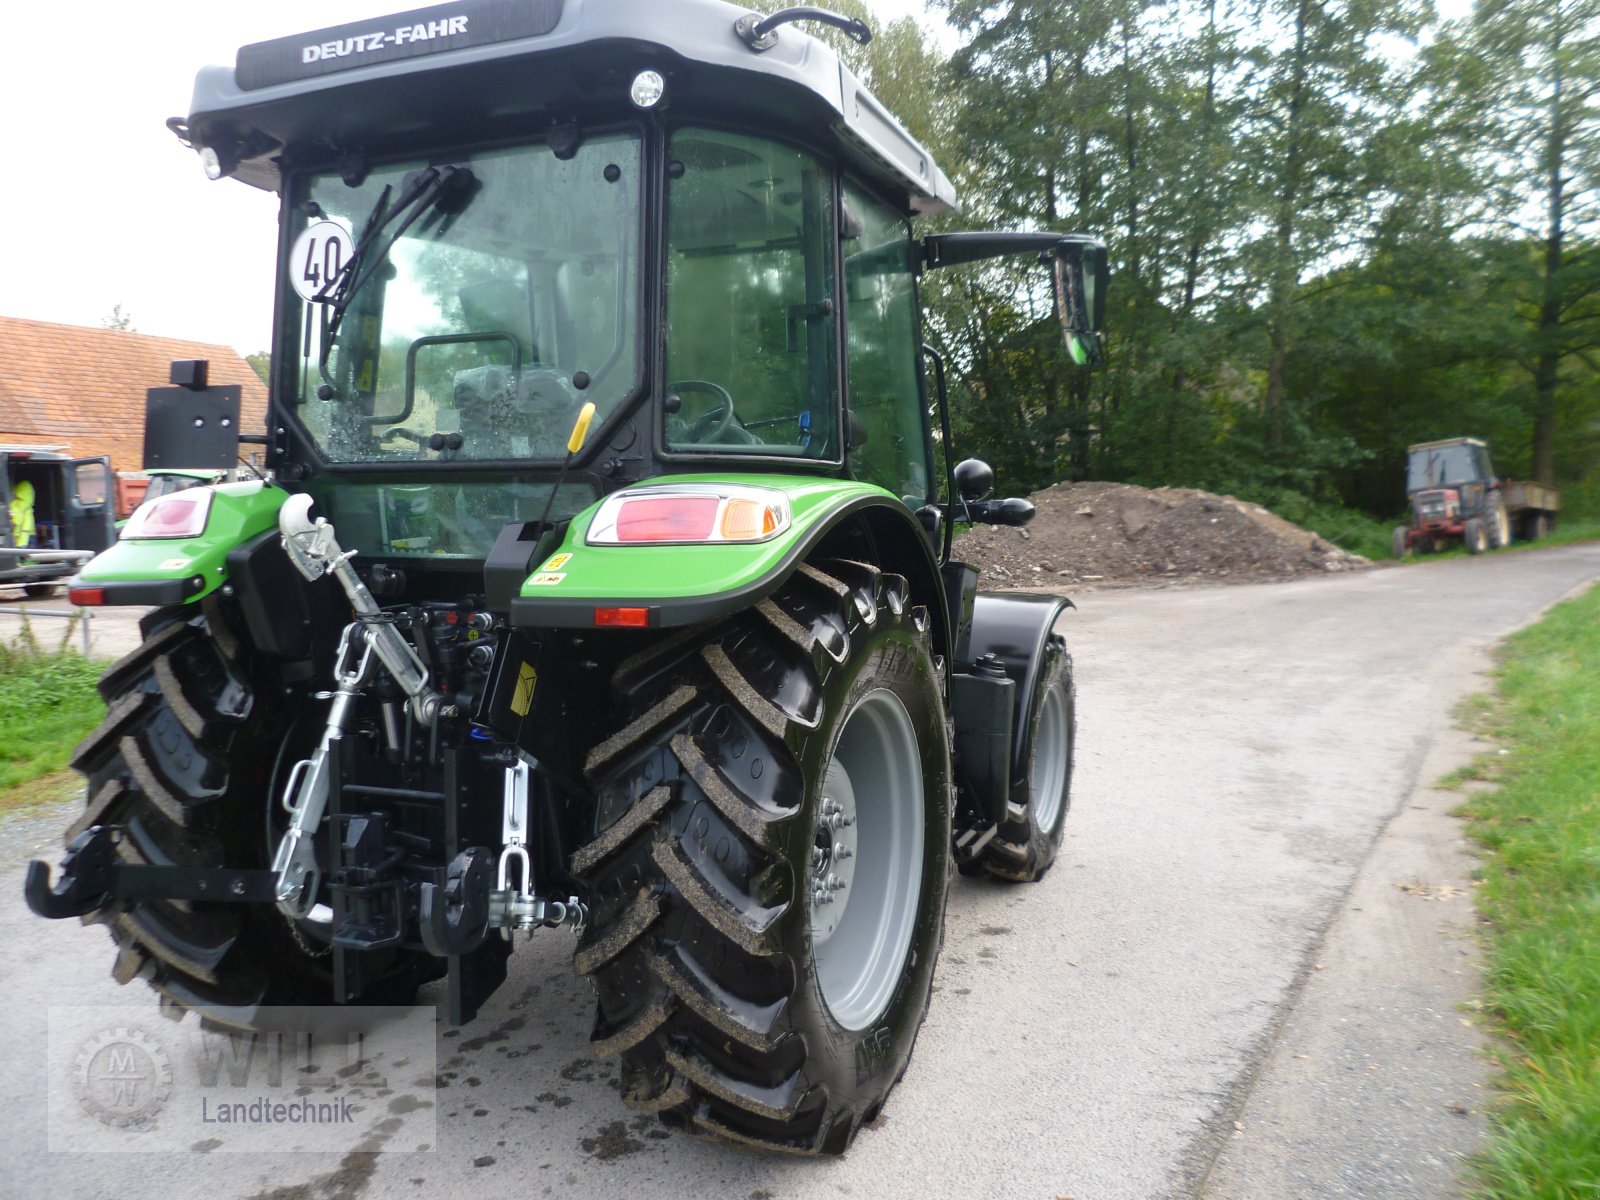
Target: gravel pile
<point x="1115" y="533"/>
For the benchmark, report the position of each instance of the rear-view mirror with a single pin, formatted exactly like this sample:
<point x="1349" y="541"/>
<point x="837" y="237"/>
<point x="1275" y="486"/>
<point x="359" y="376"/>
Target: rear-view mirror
<point x="1080" y="270"/>
<point x="1081" y="273"/>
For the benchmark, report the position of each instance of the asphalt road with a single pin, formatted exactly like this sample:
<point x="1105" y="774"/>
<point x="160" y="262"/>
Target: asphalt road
<point x="1149" y="1021"/>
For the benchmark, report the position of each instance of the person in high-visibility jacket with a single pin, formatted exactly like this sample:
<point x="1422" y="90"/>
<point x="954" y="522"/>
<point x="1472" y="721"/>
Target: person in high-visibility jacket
<point x="22" y="527"/>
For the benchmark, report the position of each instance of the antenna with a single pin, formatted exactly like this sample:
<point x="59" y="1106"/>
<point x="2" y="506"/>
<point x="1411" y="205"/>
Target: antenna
<point x="580" y="433"/>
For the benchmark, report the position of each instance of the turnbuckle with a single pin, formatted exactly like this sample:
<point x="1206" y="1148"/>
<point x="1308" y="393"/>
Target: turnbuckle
<point x="305" y="795"/>
<point x="517" y="907"/>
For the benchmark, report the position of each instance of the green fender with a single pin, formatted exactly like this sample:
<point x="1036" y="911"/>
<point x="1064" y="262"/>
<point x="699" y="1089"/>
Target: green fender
<point x="180" y="570"/>
<point x="681" y="585"/>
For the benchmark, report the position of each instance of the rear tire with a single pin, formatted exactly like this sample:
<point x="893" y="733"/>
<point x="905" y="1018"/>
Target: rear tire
<point x="1499" y="524"/>
<point x="1025" y="845"/>
<point x="1475" y="536"/>
<point x="40" y="591"/>
<point x="183" y="765"/>
<point x="758" y="984"/>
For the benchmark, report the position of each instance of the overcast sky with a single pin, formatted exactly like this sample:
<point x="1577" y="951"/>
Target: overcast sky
<point x="100" y="205"/>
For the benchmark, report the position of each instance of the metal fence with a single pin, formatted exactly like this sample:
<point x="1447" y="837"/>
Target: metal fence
<point x="85" y="615"/>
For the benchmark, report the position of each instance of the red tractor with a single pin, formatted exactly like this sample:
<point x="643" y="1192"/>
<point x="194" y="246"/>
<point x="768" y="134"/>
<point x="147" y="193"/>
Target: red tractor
<point x="1454" y="494"/>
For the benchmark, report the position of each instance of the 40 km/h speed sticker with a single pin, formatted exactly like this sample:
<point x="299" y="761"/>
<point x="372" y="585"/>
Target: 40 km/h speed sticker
<point x="319" y="254"/>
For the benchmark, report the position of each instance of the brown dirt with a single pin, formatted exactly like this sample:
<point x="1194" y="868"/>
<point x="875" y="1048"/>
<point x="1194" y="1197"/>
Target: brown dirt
<point x="1117" y="534"/>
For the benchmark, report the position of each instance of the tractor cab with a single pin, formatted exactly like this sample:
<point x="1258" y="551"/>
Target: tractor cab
<point x="1452" y="463"/>
<point x="702" y="232"/>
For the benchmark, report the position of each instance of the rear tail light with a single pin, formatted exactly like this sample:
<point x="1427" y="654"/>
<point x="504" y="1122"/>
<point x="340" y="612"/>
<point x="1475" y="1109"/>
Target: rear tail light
<point x="667" y="519"/>
<point x="690" y="514"/>
<point x="180" y="515"/>
<point x="622" y="618"/>
<point x="87" y="597"/>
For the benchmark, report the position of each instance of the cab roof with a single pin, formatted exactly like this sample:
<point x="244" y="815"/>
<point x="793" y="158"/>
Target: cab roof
<point x="477" y="69"/>
<point x="1440" y="445"/>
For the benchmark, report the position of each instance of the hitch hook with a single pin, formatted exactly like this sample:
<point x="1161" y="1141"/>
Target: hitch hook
<point x="86" y="877"/>
<point x="454" y="918"/>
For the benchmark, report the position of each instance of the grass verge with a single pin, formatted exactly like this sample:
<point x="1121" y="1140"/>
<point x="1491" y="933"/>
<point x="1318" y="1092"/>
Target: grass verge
<point x="1540" y="899"/>
<point x="48" y="704"/>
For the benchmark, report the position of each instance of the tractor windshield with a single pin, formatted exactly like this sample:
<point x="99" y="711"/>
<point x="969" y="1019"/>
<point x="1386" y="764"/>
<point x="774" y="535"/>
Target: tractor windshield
<point x="1445" y="466"/>
<point x="464" y="313"/>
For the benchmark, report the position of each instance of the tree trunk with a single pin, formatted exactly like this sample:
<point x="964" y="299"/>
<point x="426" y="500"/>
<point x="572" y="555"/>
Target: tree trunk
<point x="1285" y="273"/>
<point x="1548" y="366"/>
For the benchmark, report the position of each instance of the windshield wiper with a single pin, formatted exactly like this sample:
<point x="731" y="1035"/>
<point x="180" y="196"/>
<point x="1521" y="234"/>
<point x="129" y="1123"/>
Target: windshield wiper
<point x="442" y="193"/>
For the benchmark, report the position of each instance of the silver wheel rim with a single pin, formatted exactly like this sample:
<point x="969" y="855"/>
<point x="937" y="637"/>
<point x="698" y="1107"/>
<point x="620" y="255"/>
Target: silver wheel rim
<point x="870" y="811"/>
<point x="1049" y="776"/>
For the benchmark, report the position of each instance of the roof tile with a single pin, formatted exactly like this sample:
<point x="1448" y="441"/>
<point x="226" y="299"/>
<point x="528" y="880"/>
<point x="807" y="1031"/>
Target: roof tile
<point x="86" y="387"/>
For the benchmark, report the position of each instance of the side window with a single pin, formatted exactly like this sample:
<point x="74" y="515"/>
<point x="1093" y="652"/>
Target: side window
<point x="885" y="395"/>
<point x="751" y="350"/>
<point x="91" y="484"/>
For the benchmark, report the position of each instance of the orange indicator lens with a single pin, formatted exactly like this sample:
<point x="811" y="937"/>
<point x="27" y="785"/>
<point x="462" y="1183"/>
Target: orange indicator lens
<point x="747" y="520"/>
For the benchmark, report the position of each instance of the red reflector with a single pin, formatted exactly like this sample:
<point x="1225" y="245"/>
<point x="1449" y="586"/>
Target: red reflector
<point x="629" y="618"/>
<point x="668" y="519"/>
<point x="87" y="597"/>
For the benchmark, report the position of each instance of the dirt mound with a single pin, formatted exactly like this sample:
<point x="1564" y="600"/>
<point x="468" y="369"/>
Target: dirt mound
<point x="1114" y="533"/>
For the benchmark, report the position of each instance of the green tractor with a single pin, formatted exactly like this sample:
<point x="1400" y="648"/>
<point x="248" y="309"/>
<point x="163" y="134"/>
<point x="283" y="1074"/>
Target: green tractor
<point x="603" y="581"/>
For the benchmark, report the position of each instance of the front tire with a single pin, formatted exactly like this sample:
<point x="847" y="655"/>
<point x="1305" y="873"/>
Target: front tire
<point x="1401" y="543"/>
<point x="1476" y="536"/>
<point x="1025" y="845"/>
<point x="770" y="863"/>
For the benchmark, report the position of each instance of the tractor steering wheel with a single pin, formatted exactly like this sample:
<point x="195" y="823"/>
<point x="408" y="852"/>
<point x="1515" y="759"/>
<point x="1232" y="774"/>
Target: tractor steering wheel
<point x="708" y="426"/>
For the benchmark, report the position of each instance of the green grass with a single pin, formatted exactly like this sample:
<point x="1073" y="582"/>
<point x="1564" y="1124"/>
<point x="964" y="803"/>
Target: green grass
<point x="1350" y="530"/>
<point x="48" y="704"/>
<point x="1540" y="900"/>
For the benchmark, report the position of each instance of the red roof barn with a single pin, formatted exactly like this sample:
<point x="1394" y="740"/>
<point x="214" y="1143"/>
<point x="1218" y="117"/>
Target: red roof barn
<point x="85" y="388"/>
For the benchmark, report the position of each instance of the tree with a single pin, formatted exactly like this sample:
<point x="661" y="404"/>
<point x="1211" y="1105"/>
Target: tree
<point x="261" y="363"/>
<point x="1531" y="70"/>
<point x="119" y="319"/>
<point x="1315" y="153"/>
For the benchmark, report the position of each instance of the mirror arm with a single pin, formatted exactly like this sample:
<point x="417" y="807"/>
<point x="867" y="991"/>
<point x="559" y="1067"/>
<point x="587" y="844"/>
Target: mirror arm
<point x="956" y="249"/>
<point x="937" y="359"/>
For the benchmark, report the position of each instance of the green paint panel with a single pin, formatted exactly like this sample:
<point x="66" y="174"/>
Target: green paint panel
<point x="647" y="572"/>
<point x="239" y="511"/>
